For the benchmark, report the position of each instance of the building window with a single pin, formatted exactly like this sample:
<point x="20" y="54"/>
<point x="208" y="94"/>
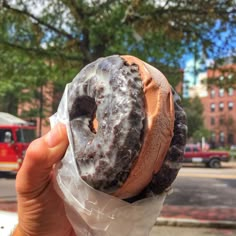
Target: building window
<point x="230" y="76"/>
<point x="221" y="106"/>
<point x="213" y="107"/>
<point x="213" y="137"/>
<point x="222" y="137"/>
<point x="221" y="121"/>
<point x="230" y="106"/>
<point x="221" y="92"/>
<point x="212" y="93"/>
<point x="230" y="91"/>
<point x="230" y="138"/>
<point x="212" y="120"/>
<point x="213" y="140"/>
<point x="221" y="78"/>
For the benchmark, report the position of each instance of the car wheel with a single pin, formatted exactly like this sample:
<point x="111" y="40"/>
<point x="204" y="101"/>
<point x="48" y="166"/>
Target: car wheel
<point x="214" y="163"/>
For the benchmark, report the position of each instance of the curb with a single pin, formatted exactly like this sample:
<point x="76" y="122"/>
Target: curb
<point x="9" y="200"/>
<point x="182" y="222"/>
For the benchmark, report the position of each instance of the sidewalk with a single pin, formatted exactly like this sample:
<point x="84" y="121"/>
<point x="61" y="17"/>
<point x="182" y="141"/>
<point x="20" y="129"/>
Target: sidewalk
<point x="184" y="216"/>
<point x="8" y="206"/>
<point x="190" y="231"/>
<point x="230" y="164"/>
<point x="188" y="216"/>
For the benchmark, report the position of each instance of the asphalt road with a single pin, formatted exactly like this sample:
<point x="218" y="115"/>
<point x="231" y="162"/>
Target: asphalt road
<point x="198" y="186"/>
<point x="7" y="187"/>
<point x="194" y="186"/>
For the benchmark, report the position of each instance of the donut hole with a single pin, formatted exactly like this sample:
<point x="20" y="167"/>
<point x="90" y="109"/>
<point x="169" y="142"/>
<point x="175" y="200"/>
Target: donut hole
<point x="85" y="106"/>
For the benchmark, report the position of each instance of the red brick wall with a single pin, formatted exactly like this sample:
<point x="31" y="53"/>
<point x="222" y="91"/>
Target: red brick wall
<point x="47" y="92"/>
<point x="220" y="121"/>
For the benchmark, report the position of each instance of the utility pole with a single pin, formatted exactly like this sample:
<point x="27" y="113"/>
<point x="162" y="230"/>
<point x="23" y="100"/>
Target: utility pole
<point x="40" y="110"/>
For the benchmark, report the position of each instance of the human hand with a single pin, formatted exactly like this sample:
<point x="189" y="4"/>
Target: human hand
<point x="40" y="210"/>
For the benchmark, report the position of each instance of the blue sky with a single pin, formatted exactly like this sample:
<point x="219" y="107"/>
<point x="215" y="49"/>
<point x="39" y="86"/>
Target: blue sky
<point x="225" y="46"/>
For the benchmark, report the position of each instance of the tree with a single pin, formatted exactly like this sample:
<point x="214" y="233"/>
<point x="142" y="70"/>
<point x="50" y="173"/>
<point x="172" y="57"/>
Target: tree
<point x="80" y="31"/>
<point x="228" y="124"/>
<point x="68" y="34"/>
<point x="194" y="110"/>
<point x="222" y="74"/>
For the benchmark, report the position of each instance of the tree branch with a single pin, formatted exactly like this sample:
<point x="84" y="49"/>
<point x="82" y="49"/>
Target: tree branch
<point x="39" y="21"/>
<point x="76" y="11"/>
<point x="180" y="12"/>
<point x="166" y="3"/>
<point x="42" y="52"/>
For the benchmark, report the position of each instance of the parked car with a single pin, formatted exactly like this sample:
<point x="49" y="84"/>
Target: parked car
<point x="194" y="154"/>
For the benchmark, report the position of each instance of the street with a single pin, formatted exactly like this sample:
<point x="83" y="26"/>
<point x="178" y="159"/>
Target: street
<point x="200" y="186"/>
<point x="7" y="188"/>
<point x="197" y="186"/>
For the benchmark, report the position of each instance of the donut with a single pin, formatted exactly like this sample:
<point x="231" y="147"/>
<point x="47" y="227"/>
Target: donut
<point x="128" y="127"/>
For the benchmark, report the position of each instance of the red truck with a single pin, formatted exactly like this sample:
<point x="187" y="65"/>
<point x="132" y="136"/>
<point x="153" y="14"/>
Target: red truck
<point x="194" y="154"/>
<point x="15" y="136"/>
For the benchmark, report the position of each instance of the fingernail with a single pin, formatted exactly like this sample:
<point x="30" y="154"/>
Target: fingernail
<point x="54" y="136"/>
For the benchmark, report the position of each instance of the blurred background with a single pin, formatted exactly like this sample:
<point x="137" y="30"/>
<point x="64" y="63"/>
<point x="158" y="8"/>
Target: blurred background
<point x="44" y="44"/>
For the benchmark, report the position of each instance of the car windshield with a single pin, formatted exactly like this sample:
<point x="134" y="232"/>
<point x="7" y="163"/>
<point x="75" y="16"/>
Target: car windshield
<point x="25" y="135"/>
<point x="187" y="149"/>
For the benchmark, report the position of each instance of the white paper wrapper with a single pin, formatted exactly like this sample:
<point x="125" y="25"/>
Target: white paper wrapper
<point x="95" y="213"/>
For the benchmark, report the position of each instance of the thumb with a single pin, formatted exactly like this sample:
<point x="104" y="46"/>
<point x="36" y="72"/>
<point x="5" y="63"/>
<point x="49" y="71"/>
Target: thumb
<point x="40" y="157"/>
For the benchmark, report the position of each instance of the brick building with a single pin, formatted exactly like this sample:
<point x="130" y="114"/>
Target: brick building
<point x="220" y="107"/>
<point x="43" y="105"/>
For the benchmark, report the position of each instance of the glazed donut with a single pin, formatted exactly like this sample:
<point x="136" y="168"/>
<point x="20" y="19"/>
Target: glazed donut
<point x="128" y="128"/>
